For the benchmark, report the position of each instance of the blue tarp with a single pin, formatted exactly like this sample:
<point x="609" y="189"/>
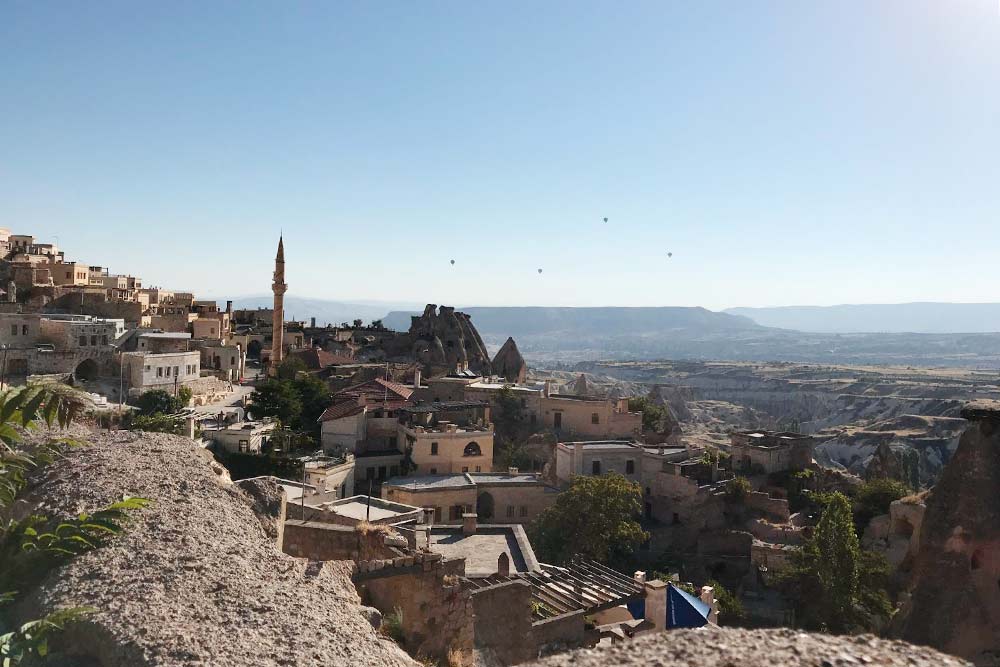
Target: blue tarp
<point x="685" y="610"/>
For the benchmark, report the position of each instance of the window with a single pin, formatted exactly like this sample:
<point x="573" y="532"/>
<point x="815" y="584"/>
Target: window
<point x="146" y="368"/>
<point x="24" y="329"/>
<point x="595" y="418"/>
<point x="434" y="449"/>
<point x="244" y="445"/>
<point x="393" y="471"/>
<point x="595" y="467"/>
<point x="630" y="467"/>
<point x="93" y="340"/>
<point x="369" y="473"/>
<point x="437" y="515"/>
<point x="524" y="511"/>
<point x="175" y="371"/>
<point x="381" y="472"/>
<point x="83" y="341"/>
<point x="455" y="513"/>
<point x="510" y="511"/>
<point x="434" y="471"/>
<point x="104" y="340"/>
<point x="13" y="330"/>
<point x="465" y="469"/>
<point x="472" y="449"/>
<point x="168" y="371"/>
<point x="479" y="469"/>
<point x="159" y="372"/>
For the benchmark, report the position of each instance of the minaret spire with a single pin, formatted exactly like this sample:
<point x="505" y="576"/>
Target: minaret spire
<point x="278" y="287"/>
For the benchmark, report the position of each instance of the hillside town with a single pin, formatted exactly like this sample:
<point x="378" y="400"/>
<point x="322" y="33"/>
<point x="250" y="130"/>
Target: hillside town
<point x="490" y="513"/>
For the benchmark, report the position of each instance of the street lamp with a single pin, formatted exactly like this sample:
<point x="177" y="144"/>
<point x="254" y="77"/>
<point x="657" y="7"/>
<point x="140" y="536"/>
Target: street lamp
<point x="3" y="373"/>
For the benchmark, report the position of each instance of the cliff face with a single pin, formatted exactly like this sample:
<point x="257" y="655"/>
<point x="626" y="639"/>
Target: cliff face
<point x="955" y="604"/>
<point x="195" y="579"/>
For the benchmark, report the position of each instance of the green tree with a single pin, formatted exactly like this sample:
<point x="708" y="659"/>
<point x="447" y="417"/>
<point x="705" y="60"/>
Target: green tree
<point x="290" y="368"/>
<point x="314" y="397"/>
<point x="653" y="415"/>
<point x="595" y="518"/>
<point x="511" y="430"/>
<point x="835" y="586"/>
<point x="185" y="395"/>
<point x="277" y="399"/>
<point x="158" y="402"/>
<point x="730" y="608"/>
<point x="874" y="497"/>
<point x="737" y="489"/>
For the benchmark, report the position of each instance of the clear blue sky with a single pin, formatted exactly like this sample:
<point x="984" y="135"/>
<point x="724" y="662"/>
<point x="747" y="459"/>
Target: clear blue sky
<point x="785" y="152"/>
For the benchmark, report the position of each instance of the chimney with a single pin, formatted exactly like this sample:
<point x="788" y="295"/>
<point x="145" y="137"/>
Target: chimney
<point x="640" y="577"/>
<point x="708" y="597"/>
<point x="503" y="565"/>
<point x="469" y="520"/>
<point x="416" y="379"/>
<point x="229" y="307"/>
<point x="548" y="389"/>
<point x="656" y="604"/>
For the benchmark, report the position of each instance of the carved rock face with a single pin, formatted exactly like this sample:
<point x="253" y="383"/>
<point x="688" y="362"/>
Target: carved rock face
<point x="509" y="363"/>
<point x="955" y="605"/>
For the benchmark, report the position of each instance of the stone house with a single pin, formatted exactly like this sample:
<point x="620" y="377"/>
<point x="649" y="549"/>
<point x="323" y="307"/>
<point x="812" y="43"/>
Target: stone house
<point x="249" y="437"/>
<point x="589" y="416"/>
<point x="500" y="498"/>
<point x="766" y="452"/>
<point x="168" y="371"/>
<point x="448" y="437"/>
<point x="364" y="417"/>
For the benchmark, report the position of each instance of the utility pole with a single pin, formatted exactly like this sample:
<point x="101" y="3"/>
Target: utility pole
<point x="3" y="373"/>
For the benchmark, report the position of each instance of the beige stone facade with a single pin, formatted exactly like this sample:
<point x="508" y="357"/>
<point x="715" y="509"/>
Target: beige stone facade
<point x="589" y="417"/>
<point x="449" y="448"/>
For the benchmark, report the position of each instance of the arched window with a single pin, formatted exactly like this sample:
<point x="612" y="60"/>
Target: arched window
<point x="472" y="449"/>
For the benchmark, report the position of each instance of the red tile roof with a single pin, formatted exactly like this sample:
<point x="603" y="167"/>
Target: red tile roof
<point x="374" y="393"/>
<point x="341" y="410"/>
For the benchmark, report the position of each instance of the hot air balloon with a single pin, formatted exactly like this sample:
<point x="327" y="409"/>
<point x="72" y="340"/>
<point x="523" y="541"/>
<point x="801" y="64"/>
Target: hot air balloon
<point x="453" y="262"/>
<point x="539" y="270"/>
<point x="605" y="219"/>
<point x="670" y="254"/>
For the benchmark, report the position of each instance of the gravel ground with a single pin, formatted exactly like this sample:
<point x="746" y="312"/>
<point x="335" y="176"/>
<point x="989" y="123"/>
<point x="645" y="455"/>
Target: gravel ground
<point x="194" y="580"/>
<point x="723" y="647"/>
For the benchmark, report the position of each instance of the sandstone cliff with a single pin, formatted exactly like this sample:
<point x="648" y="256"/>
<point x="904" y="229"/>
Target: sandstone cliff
<point x="955" y="604"/>
<point x="441" y="339"/>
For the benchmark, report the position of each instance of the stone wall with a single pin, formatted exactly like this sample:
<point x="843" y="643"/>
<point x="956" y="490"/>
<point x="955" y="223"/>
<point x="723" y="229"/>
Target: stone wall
<point x="503" y="621"/>
<point x="320" y="541"/>
<point x="762" y="502"/>
<point x="559" y="632"/>
<point x="424" y="592"/>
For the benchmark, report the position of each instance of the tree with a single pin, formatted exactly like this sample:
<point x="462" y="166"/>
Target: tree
<point x="185" y="395"/>
<point x="595" y="518"/>
<point x="737" y="489"/>
<point x="290" y="368"/>
<point x="278" y="399"/>
<point x="874" y="497"/>
<point x="158" y="402"/>
<point x="314" y="396"/>
<point x="835" y="586"/>
<point x="730" y="608"/>
<point x="653" y="415"/>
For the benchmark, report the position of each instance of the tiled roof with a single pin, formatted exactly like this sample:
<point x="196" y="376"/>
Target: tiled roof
<point x="316" y="358"/>
<point x="340" y="410"/>
<point x="376" y="390"/>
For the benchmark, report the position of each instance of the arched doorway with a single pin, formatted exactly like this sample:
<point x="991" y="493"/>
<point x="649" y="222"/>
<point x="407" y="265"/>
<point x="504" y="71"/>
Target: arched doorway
<point x="87" y="370"/>
<point x="472" y="449"/>
<point x="484" y="506"/>
<point x="253" y="349"/>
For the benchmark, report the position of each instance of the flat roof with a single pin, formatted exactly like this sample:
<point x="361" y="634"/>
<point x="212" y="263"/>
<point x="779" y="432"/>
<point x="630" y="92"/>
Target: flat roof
<point x="482" y="549"/>
<point x="166" y="335"/>
<point x="456" y="480"/>
<point x="374" y="509"/>
<point x="603" y="444"/>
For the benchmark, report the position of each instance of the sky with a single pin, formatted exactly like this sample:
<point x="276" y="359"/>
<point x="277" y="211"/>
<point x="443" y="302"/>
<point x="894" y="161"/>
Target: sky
<point x="783" y="152"/>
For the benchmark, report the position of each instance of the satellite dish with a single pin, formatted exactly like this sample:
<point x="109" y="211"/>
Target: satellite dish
<point x="453" y="262"/>
<point x="539" y="270"/>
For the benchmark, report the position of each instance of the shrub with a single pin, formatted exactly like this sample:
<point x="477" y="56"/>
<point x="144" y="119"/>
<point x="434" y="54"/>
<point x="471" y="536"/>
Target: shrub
<point x="157" y="401"/>
<point x="737" y="489"/>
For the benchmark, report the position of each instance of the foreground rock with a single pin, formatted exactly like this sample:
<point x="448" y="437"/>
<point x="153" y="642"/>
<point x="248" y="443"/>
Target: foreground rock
<point x="719" y="647"/>
<point x="195" y="580"/>
<point x="955" y="604"/>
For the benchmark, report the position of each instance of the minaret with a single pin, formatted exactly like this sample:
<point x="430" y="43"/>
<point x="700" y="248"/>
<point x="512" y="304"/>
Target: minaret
<point x="279" y="288"/>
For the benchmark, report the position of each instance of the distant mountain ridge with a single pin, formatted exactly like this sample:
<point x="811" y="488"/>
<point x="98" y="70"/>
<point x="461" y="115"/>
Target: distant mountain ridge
<point x="325" y="311"/>
<point x="609" y="321"/>
<point x="918" y="317"/>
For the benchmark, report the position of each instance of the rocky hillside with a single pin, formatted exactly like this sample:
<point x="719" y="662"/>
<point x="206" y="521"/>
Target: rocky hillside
<point x="195" y="580"/>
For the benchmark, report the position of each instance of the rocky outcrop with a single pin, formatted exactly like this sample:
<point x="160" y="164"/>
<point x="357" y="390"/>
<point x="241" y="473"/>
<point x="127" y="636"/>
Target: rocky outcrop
<point x="722" y="647"/>
<point x="955" y="602"/>
<point x="195" y="579"/>
<point x="442" y="339"/>
<point x="509" y="364"/>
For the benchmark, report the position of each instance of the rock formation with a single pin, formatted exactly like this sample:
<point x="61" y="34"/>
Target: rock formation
<point x="955" y="602"/>
<point x="894" y="462"/>
<point x="581" y="386"/>
<point x="441" y="340"/>
<point x="195" y="579"/>
<point x="509" y="363"/>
